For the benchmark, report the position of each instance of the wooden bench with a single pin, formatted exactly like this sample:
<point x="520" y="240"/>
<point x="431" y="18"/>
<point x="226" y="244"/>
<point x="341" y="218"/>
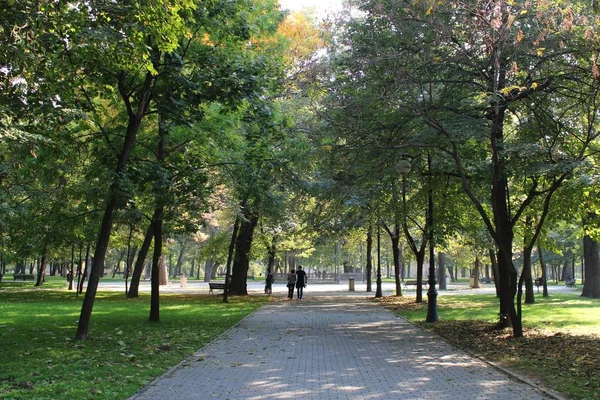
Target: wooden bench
<point x="486" y="280"/>
<point x="216" y="286"/>
<point x="23" y="277"/>
<point x="413" y="283"/>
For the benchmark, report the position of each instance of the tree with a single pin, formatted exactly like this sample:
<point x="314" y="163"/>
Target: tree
<point x="591" y="255"/>
<point x="446" y="73"/>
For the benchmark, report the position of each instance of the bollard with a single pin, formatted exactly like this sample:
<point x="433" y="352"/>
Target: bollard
<point x="351" y="284"/>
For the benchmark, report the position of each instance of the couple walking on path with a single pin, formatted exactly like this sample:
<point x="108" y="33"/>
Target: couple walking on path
<point x="296" y="279"/>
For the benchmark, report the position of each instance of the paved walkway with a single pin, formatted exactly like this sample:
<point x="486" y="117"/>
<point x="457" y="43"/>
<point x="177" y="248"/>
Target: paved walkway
<point x="333" y="348"/>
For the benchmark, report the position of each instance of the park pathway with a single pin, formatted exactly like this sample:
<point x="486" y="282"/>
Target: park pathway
<point x="333" y="348"/>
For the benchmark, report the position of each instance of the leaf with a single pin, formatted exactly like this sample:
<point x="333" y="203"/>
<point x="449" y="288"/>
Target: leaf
<point x="520" y="36"/>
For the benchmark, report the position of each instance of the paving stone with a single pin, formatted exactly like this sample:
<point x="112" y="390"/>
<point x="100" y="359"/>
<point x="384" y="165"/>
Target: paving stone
<point x="329" y="348"/>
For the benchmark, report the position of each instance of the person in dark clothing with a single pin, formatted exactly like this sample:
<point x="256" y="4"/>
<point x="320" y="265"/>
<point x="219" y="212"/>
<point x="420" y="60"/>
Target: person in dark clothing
<point x="291" y="278"/>
<point x="269" y="283"/>
<point x="300" y="281"/>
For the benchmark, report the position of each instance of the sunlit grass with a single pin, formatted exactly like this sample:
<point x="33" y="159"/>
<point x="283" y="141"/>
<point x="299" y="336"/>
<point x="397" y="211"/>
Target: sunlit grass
<point x="41" y="360"/>
<point x="565" y="311"/>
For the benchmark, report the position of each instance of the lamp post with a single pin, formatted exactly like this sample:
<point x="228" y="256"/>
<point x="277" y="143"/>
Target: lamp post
<point x="432" y="314"/>
<point x="403" y="167"/>
<point x="378" y="290"/>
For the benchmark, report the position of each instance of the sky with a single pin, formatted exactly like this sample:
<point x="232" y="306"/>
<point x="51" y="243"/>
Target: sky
<point x="321" y="6"/>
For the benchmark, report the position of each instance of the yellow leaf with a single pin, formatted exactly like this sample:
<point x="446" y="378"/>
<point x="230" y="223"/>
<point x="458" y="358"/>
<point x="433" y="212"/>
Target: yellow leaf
<point x="520" y="36"/>
<point x="429" y="11"/>
<point x="534" y="85"/>
<point x="540" y="51"/>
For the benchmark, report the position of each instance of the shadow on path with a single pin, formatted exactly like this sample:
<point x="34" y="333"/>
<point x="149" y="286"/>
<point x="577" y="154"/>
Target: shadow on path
<point x="332" y="347"/>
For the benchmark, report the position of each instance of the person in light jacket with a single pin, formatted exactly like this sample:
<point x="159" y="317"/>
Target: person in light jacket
<point x="291" y="283"/>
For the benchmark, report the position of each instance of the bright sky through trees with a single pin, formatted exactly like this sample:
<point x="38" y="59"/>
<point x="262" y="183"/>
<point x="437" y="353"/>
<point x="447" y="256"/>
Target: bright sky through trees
<point x="322" y="7"/>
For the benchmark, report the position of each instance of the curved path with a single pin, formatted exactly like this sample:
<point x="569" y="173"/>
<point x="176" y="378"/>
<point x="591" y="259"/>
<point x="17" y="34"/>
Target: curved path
<point x="337" y="347"/>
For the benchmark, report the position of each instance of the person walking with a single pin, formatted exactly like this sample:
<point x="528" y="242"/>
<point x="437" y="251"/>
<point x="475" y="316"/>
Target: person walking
<point x="300" y="281"/>
<point x="269" y="283"/>
<point x="291" y="279"/>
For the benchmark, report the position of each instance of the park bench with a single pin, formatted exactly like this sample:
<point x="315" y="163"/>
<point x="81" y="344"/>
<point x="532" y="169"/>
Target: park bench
<point x="216" y="286"/>
<point x="23" y="277"/>
<point x="570" y="282"/>
<point x="486" y="280"/>
<point x="413" y="283"/>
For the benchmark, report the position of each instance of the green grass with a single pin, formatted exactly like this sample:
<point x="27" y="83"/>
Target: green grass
<point x="565" y="311"/>
<point x="41" y="360"/>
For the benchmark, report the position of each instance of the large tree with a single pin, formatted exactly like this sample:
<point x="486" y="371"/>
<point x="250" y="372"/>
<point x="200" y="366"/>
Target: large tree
<point x="493" y="85"/>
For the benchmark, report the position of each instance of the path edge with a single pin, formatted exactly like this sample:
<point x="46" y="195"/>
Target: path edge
<point x="191" y="358"/>
<point x="549" y="392"/>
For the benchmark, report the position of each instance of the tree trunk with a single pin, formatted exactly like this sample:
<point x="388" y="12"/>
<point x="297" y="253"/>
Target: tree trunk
<point x="119" y="261"/>
<point x="476" y="271"/>
<point x="131" y="251"/>
<point x="179" y="265"/>
<point x="369" y="266"/>
<point x="72" y="266"/>
<point x="272" y="253"/>
<point x="544" y="273"/>
<point x="495" y="273"/>
<point x="234" y="236"/>
<point x="158" y="258"/>
<point x="241" y="262"/>
<point x="396" y="255"/>
<point x="86" y="270"/>
<point x="157" y="267"/>
<point x="135" y="119"/>
<point x="79" y="269"/>
<point x="395" y="239"/>
<point x="210" y="268"/>
<point x="527" y="276"/>
<point x="42" y="270"/>
<point x="591" y="286"/>
<point x="140" y="262"/>
<point x="442" y="271"/>
<point x="420" y="255"/>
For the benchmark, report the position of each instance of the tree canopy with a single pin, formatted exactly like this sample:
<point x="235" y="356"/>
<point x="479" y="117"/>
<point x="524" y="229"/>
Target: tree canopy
<point x="137" y="126"/>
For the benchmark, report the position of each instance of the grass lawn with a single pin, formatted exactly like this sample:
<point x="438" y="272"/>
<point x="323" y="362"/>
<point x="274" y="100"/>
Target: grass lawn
<point x="560" y="350"/>
<point x="39" y="359"/>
